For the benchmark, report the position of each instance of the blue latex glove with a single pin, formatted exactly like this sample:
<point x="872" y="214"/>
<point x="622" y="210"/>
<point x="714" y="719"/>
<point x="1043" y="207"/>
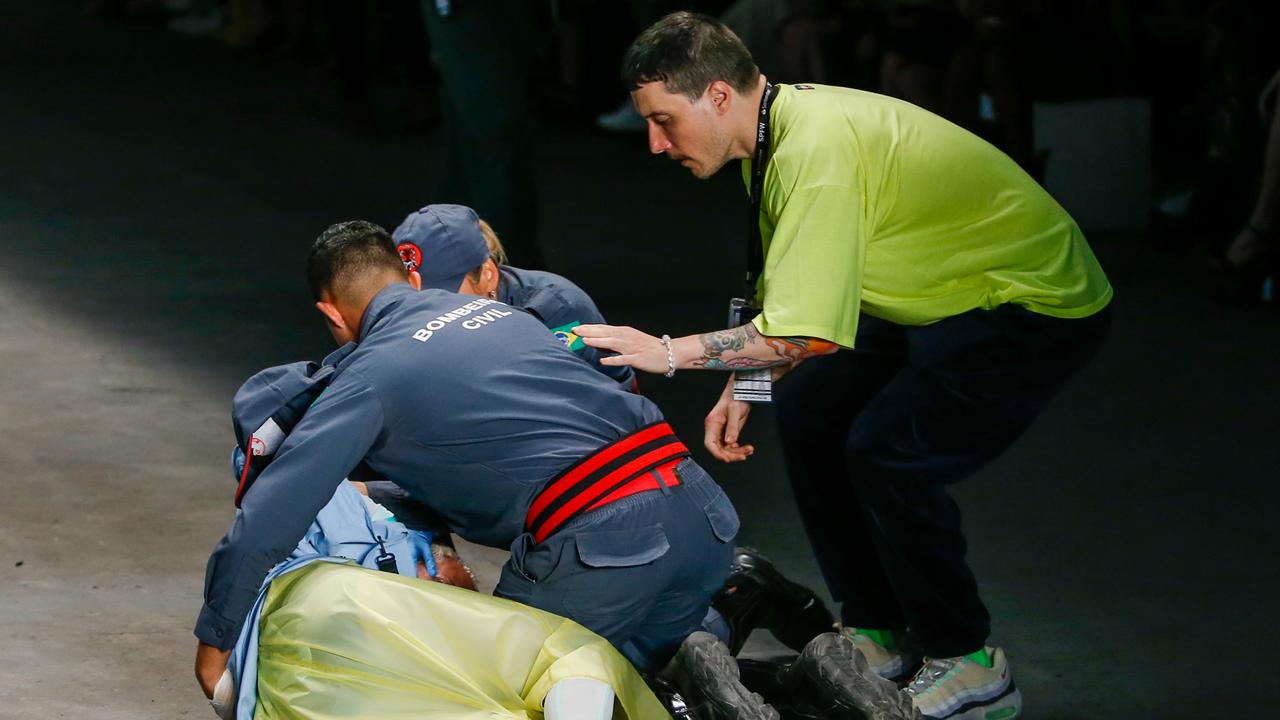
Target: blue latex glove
<point x="421" y="543"/>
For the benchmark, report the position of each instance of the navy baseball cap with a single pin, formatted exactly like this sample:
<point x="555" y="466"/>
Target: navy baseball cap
<point x="442" y="243"/>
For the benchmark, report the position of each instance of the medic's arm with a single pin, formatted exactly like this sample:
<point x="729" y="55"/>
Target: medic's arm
<point x="332" y="438"/>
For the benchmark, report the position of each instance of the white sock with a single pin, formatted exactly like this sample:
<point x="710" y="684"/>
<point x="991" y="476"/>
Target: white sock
<point x="578" y="699"/>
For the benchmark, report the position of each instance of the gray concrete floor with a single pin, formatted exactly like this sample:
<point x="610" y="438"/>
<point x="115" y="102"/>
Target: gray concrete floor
<point x="156" y="198"/>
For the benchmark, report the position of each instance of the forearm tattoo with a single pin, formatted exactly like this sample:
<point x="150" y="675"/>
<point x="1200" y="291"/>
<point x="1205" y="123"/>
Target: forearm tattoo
<point x="796" y="349"/>
<point x="748" y="349"/>
<point x="716" y="344"/>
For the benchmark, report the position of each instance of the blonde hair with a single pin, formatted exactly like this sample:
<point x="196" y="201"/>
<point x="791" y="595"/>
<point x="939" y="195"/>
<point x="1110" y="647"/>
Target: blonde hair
<point x="496" y="251"/>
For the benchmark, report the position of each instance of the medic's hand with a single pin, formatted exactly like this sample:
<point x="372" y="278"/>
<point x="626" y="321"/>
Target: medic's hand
<point x="637" y="349"/>
<point x="723" y="426"/>
<point x="420" y="544"/>
<point x="210" y="664"/>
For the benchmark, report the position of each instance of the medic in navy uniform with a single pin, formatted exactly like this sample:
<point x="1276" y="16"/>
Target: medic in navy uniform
<point x="473" y="407"/>
<point x="453" y="249"/>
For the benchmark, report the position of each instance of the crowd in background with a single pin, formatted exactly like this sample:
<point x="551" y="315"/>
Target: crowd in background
<point x="1206" y="68"/>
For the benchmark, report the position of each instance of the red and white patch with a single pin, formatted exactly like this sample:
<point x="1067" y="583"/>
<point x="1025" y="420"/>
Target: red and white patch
<point x="257" y="446"/>
<point x="410" y="255"/>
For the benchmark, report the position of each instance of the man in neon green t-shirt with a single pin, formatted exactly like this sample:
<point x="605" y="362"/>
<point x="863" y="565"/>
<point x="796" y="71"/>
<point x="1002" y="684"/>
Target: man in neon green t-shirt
<point x="937" y="298"/>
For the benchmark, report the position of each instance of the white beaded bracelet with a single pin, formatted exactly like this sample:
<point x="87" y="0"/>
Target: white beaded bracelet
<point x="671" y="357"/>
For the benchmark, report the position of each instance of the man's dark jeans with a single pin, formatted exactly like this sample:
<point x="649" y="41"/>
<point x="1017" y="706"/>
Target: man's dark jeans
<point x="872" y="436"/>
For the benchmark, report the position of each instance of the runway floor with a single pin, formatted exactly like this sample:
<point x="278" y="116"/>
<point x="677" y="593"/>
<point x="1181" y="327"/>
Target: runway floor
<point x="157" y="196"/>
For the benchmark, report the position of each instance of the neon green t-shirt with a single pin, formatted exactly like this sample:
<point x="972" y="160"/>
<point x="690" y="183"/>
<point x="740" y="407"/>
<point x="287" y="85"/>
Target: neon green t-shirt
<point x="874" y="205"/>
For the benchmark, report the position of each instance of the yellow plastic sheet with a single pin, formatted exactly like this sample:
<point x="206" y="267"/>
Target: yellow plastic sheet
<point x="340" y="641"/>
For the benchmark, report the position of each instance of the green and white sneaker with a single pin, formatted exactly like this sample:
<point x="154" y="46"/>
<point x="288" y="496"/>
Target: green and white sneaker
<point x="962" y="689"/>
<point x="895" y="665"/>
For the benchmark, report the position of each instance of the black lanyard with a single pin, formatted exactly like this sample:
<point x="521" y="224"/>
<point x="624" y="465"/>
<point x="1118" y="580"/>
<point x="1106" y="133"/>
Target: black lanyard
<point x="755" y="243"/>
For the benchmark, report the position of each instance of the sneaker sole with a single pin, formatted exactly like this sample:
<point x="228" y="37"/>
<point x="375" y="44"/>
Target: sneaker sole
<point x="898" y="672"/>
<point x="1005" y="707"/>
<point x="836" y="665"/>
<point x="705" y="669"/>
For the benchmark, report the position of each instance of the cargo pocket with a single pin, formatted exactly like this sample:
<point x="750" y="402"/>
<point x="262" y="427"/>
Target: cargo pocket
<point x="617" y="583"/>
<point x="622" y="548"/>
<point x="722" y="516"/>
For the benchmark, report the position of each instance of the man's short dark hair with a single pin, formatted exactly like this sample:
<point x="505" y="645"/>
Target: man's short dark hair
<point x="346" y="251"/>
<point x="686" y="52"/>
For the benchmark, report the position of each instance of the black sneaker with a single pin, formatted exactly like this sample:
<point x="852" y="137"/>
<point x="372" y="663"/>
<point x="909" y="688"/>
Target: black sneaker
<point x="707" y="678"/>
<point x="756" y="595"/>
<point x="834" y="678"/>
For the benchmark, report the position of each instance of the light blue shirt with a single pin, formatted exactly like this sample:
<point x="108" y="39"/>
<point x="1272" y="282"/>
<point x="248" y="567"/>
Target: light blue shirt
<point x="344" y="531"/>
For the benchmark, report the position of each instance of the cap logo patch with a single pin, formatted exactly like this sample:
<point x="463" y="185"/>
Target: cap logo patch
<point x="410" y="255"/>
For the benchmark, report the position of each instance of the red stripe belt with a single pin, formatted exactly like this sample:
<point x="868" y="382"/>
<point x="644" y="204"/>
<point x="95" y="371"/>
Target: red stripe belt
<point x="643" y="460"/>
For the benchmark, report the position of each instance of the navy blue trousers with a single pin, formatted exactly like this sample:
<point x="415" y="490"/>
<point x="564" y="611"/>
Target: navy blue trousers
<point x="640" y="571"/>
<point x="872" y="437"/>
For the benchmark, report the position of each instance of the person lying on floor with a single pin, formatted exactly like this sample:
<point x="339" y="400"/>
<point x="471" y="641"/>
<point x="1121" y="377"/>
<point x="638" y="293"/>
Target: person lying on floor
<point x="346" y="627"/>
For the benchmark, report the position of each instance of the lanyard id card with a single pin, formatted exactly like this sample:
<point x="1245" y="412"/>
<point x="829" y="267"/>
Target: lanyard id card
<point x="749" y="385"/>
<point x="754" y="385"/>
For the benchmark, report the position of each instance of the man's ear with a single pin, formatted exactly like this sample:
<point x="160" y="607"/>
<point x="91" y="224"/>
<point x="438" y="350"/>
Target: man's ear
<point x="489" y="277"/>
<point x="331" y="314"/>
<point x="415" y="279"/>
<point x="720" y="94"/>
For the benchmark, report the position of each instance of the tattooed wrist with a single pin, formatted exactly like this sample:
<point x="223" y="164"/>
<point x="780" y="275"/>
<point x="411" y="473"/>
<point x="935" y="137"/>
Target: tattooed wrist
<point x="747" y="349"/>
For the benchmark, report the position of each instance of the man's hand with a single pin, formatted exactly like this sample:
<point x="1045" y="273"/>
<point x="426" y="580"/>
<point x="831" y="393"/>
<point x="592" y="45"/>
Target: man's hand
<point x="723" y="426"/>
<point x="637" y="349"/>
<point x="210" y="663"/>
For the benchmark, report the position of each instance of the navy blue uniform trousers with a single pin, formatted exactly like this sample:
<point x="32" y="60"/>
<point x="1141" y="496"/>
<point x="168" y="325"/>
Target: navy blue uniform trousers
<point x="640" y="571"/>
<point x="872" y="437"/>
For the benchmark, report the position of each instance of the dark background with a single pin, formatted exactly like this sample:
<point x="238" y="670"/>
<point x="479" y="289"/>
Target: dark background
<point x="157" y="196"/>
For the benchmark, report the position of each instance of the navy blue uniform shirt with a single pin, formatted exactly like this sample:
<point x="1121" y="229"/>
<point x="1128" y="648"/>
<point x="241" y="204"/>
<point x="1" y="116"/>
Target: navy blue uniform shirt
<point x="558" y="303"/>
<point x="467" y="403"/>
